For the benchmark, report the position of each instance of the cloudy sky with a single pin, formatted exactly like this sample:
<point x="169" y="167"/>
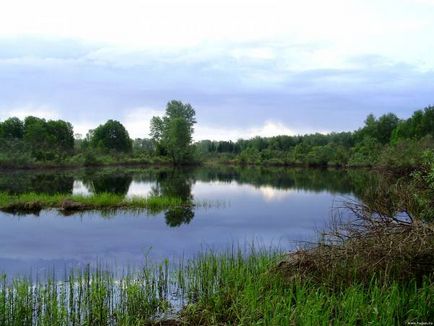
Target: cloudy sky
<point x="248" y="67"/>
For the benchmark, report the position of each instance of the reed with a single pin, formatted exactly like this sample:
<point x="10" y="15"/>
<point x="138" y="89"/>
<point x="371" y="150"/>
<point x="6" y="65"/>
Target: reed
<point x="236" y="287"/>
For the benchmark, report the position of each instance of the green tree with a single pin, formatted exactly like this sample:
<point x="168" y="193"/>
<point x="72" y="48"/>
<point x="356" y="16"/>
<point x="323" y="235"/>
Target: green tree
<point x="173" y="134"/>
<point x="419" y="125"/>
<point x="62" y="133"/>
<point x="111" y="136"/>
<point x="48" y="140"/>
<point x="366" y="152"/>
<point x="385" y="126"/>
<point x="380" y="129"/>
<point x="12" y="128"/>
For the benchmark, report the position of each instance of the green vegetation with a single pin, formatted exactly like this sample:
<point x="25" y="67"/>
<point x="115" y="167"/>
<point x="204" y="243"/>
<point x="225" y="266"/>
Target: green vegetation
<point x="172" y="134"/>
<point x="111" y="136"/>
<point x="34" y="202"/>
<point x="34" y="140"/>
<point x="232" y="290"/>
<point x="385" y="142"/>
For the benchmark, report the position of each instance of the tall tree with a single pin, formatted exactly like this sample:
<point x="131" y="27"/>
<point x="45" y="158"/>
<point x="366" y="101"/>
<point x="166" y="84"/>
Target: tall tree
<point x="173" y="134"/>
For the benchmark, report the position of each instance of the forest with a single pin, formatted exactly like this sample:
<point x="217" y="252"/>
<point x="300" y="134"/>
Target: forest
<point x="386" y="141"/>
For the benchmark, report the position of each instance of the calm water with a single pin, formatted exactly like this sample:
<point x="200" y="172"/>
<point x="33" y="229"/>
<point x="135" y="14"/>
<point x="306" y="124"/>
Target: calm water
<point x="272" y="207"/>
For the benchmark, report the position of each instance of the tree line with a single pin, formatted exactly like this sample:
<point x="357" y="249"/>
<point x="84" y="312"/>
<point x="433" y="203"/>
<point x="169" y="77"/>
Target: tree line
<point x="37" y="140"/>
<point x="384" y="140"/>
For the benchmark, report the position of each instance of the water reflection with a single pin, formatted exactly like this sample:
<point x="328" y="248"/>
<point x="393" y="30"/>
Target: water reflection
<point x="117" y="183"/>
<point x="42" y="182"/>
<point x="270" y="205"/>
<point x="176" y="183"/>
<point x="272" y="184"/>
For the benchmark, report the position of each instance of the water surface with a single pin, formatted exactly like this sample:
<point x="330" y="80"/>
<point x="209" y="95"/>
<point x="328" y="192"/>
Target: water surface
<point x="271" y="207"/>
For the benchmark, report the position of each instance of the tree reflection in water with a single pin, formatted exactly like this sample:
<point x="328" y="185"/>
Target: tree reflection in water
<point x="115" y="184"/>
<point x="178" y="184"/>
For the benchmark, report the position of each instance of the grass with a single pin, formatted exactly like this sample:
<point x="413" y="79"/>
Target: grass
<point x="230" y="288"/>
<point x="236" y="290"/>
<point x="70" y="203"/>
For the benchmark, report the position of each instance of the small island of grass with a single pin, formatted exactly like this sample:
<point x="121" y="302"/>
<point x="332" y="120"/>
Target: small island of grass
<point x="34" y="202"/>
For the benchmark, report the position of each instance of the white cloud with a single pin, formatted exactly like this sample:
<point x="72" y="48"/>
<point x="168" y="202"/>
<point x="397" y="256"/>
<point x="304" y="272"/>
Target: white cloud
<point x="135" y="51"/>
<point x="401" y="29"/>
<point x="82" y="127"/>
<point x="428" y="2"/>
<point x="270" y="128"/>
<point x="137" y="121"/>
<point x="225" y="191"/>
<point x="30" y="110"/>
<point x="270" y="194"/>
<point x="253" y="53"/>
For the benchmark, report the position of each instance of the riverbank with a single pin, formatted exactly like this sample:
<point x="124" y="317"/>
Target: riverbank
<point x="156" y="164"/>
<point x="80" y="165"/>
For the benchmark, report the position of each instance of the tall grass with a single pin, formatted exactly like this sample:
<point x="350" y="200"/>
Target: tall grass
<point x="230" y="288"/>
<point x="87" y="298"/>
<point x="233" y="289"/>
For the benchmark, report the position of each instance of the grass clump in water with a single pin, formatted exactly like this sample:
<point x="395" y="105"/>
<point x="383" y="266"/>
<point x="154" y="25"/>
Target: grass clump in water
<point x="34" y="202"/>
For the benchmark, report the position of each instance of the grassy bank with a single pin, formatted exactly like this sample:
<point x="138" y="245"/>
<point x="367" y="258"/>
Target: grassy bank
<point x="232" y="288"/>
<point x="31" y="202"/>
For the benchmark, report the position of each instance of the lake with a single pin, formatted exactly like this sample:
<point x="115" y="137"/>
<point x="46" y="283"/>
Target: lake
<point x="266" y="206"/>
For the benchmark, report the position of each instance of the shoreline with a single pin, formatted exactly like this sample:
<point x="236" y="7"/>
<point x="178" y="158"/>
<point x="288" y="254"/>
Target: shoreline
<point x="61" y="167"/>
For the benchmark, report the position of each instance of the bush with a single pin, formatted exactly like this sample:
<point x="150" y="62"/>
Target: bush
<point x="370" y="246"/>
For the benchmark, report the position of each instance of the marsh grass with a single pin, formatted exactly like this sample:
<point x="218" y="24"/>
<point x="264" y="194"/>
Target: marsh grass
<point x="89" y="297"/>
<point x="235" y="287"/>
<point x="31" y="202"/>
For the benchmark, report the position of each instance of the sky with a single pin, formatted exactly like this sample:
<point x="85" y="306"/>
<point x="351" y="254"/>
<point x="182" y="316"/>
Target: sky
<point x="248" y="67"/>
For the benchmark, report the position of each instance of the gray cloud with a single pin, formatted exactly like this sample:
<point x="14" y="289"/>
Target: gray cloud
<point x="91" y="83"/>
